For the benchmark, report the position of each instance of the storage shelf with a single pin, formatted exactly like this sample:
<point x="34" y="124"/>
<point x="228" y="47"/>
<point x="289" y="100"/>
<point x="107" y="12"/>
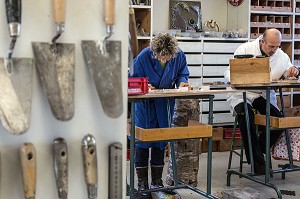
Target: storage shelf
<point x="271" y="13"/>
<point x="141" y="7"/>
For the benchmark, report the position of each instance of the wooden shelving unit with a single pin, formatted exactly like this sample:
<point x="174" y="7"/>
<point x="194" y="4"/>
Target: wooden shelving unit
<point x="143" y="16"/>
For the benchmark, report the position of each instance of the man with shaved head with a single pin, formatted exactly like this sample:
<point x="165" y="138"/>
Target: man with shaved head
<point x="267" y="45"/>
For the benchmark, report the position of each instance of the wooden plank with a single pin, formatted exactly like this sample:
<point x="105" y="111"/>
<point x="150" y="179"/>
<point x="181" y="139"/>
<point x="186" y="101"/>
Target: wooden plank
<point x="249" y="71"/>
<point x="174" y="133"/>
<point x="277" y="122"/>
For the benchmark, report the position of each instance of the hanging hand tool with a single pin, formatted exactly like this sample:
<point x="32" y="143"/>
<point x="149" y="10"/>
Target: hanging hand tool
<point x="13" y="15"/>
<point x="104" y="62"/>
<point x="89" y="154"/>
<point x="15" y="78"/>
<point x="60" y="161"/>
<point x="56" y="67"/>
<point x="115" y="171"/>
<point x="28" y="164"/>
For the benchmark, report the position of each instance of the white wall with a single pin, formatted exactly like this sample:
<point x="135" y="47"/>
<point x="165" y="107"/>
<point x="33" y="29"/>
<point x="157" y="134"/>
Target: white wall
<point x="84" y="21"/>
<point x="227" y="16"/>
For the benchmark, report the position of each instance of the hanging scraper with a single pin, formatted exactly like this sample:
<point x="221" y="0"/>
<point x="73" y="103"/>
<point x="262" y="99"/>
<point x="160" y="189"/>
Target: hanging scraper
<point x="15" y="78"/>
<point x="56" y="67"/>
<point x="103" y="59"/>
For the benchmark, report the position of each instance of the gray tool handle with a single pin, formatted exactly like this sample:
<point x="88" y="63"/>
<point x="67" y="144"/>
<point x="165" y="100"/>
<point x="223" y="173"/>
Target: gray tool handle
<point x="59" y="9"/>
<point x="13" y="16"/>
<point x="60" y="161"/>
<point x="89" y="154"/>
<point x="28" y="164"/>
<point x="109" y="12"/>
<point x="115" y="171"/>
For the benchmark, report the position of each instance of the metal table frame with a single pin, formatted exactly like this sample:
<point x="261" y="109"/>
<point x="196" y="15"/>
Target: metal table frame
<point x="177" y="184"/>
<point x="289" y="168"/>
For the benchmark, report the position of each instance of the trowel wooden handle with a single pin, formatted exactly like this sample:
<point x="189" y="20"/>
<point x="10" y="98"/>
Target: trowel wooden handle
<point x="109" y="12"/>
<point x="59" y="8"/>
<point x="89" y="154"/>
<point x="28" y="164"/>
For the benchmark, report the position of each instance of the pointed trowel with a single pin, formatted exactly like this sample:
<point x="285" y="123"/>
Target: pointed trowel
<point x="103" y="59"/>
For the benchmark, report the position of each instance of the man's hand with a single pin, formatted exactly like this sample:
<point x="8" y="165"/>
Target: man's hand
<point x="292" y="72"/>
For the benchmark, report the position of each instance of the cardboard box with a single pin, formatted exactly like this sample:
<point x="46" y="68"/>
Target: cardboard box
<point x="286" y="101"/>
<point x="204" y="146"/>
<point x="224" y="145"/>
<point x="249" y="71"/>
<point x="292" y="112"/>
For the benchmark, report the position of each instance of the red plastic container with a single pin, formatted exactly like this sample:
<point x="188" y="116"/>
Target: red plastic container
<point x="137" y="85"/>
<point x="228" y="133"/>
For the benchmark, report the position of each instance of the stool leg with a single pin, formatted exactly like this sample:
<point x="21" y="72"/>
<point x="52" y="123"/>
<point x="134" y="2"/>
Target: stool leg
<point x="232" y="143"/>
<point x="241" y="157"/>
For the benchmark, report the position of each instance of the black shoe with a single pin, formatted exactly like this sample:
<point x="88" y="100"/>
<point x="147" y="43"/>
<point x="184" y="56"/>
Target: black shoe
<point x="260" y="169"/>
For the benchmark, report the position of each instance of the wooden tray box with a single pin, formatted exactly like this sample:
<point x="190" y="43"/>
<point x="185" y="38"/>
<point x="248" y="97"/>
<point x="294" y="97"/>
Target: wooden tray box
<point x="174" y="133"/>
<point x="277" y="122"/>
<point x="249" y="71"/>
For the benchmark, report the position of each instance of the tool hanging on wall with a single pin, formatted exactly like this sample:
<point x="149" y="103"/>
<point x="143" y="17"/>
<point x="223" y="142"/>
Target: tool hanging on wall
<point x="115" y="171"/>
<point x="28" y="164"/>
<point x="60" y="163"/>
<point x="56" y="68"/>
<point x="90" y="166"/>
<point x="15" y="78"/>
<point x="104" y="62"/>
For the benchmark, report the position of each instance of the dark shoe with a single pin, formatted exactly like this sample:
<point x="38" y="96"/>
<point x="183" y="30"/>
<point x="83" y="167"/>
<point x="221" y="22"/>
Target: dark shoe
<point x="156" y="175"/>
<point x="260" y="169"/>
<point x="157" y="183"/>
<point x="142" y="174"/>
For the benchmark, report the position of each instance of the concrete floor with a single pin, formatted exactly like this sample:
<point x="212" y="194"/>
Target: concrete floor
<point x="220" y="162"/>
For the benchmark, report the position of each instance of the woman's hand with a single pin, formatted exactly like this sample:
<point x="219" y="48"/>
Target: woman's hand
<point x="150" y="87"/>
<point x="185" y="84"/>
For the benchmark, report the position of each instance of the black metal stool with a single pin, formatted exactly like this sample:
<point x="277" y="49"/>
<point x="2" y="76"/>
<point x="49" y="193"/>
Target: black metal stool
<point x="234" y="148"/>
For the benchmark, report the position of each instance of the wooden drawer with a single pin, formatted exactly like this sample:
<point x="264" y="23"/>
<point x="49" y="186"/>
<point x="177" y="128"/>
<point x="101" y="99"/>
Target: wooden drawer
<point x="214" y="70"/>
<point x="216" y="58"/>
<point x="191" y="46"/>
<point x="194" y="59"/>
<point x="218" y="106"/>
<point x="276" y="122"/>
<point x="220" y="47"/>
<point x="218" y="118"/>
<point x="195" y="71"/>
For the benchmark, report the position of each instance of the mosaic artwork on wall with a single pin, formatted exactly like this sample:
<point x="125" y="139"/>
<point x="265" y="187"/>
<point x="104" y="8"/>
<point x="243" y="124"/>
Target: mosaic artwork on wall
<point x="185" y="15"/>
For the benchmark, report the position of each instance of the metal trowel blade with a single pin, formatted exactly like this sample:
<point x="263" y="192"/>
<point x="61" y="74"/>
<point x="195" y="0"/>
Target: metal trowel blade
<point x="56" y="68"/>
<point x="16" y="95"/>
<point x="105" y="68"/>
